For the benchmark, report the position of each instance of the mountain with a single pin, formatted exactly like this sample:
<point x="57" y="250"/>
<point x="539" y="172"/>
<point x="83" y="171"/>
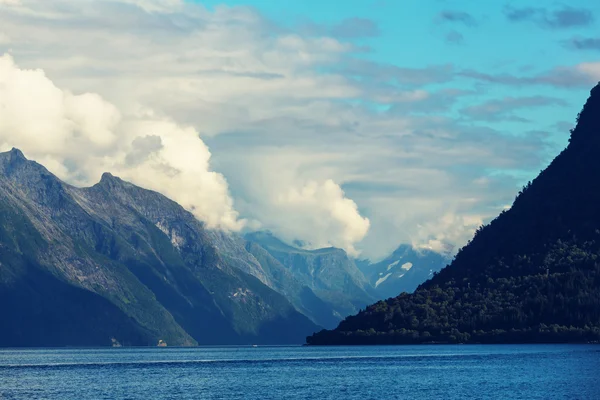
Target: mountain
<point x="115" y="262"/>
<point x="329" y="273"/>
<point x="403" y="271"/>
<point x="531" y="275"/>
<point x="252" y="259"/>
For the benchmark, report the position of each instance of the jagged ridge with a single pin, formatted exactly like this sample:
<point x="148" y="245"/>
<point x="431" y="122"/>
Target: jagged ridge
<point x="81" y="266"/>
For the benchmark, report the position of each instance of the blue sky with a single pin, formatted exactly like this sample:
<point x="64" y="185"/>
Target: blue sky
<point x="356" y="124"/>
<point x="414" y="34"/>
<point x="475" y="36"/>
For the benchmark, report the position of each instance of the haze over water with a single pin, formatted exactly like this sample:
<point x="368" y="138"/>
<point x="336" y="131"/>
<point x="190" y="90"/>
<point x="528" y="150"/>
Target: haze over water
<point x="401" y="372"/>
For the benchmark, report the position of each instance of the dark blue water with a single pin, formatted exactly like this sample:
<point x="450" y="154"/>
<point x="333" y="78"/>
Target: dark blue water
<point x="402" y="372"/>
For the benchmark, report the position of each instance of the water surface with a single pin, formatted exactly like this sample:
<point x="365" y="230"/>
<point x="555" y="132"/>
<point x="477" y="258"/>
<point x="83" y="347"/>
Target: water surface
<point x="381" y="372"/>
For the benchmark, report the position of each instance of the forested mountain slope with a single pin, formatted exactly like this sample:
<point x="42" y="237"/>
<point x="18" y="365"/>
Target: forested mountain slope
<point x="531" y="275"/>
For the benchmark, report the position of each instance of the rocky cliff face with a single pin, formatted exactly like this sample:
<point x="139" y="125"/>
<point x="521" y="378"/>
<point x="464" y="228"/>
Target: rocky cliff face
<point x="329" y="273"/>
<point x="115" y="261"/>
<point x="404" y="270"/>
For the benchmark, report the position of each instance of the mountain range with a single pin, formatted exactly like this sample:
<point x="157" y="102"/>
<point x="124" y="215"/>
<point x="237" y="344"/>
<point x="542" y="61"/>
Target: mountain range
<point x="114" y="261"/>
<point x="117" y="264"/>
<point x="328" y="272"/>
<point x="531" y="275"/>
<point x="404" y="270"/>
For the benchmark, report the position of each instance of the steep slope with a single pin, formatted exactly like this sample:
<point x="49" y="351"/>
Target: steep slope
<point x="328" y="272"/>
<point x="147" y="265"/>
<point x="404" y="270"/>
<point x="41" y="262"/>
<point x="531" y="275"/>
<point x="300" y="294"/>
<point x="42" y="309"/>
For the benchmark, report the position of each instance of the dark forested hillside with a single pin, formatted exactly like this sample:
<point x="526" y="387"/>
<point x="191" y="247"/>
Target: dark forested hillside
<point x="531" y="275"/>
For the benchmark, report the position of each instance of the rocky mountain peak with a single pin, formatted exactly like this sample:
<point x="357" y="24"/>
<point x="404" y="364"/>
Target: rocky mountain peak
<point x="12" y="158"/>
<point x="16" y="154"/>
<point x="13" y="164"/>
<point x="109" y="181"/>
<point x="108" y="177"/>
<point x="586" y="133"/>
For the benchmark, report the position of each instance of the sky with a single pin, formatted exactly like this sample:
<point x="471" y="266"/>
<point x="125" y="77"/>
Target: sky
<point x="361" y="124"/>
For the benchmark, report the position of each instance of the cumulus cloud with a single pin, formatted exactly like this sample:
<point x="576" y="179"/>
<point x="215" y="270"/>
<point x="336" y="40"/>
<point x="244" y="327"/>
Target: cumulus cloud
<point x="81" y="136"/>
<point x="441" y="235"/>
<point x="334" y="217"/>
<point x="295" y="203"/>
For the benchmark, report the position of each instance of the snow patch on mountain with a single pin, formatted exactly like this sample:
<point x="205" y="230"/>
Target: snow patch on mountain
<point x="381" y="280"/>
<point x="392" y="265"/>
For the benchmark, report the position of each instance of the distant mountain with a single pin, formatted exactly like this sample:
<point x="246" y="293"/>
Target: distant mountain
<point x="86" y="266"/>
<point x="403" y="271"/>
<point x="531" y="275"/>
<point x="329" y="273"/>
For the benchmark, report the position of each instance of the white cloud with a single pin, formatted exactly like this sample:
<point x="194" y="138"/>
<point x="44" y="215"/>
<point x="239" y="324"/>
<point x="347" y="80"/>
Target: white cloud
<point x="288" y="117"/>
<point x="334" y="219"/>
<point x="294" y="203"/>
<point x="80" y="136"/>
<point x="156" y="5"/>
<point x="591" y="69"/>
<point x="218" y="72"/>
<point x="448" y="230"/>
<point x="4" y="38"/>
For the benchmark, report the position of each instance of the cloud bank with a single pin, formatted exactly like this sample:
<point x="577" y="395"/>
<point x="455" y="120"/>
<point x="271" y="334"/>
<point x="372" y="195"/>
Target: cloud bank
<point x="332" y="215"/>
<point x="311" y="136"/>
<point x="80" y="136"/>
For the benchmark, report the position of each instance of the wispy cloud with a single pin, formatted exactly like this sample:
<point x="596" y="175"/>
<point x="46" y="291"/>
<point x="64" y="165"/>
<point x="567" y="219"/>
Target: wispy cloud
<point x="355" y="28"/>
<point x="455" y="37"/>
<point x="460" y="17"/>
<point x="583" y="43"/>
<point x="503" y="109"/>
<point x="563" y="18"/>
<point x="349" y="28"/>
<point x="401" y="75"/>
<point x="579" y="75"/>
